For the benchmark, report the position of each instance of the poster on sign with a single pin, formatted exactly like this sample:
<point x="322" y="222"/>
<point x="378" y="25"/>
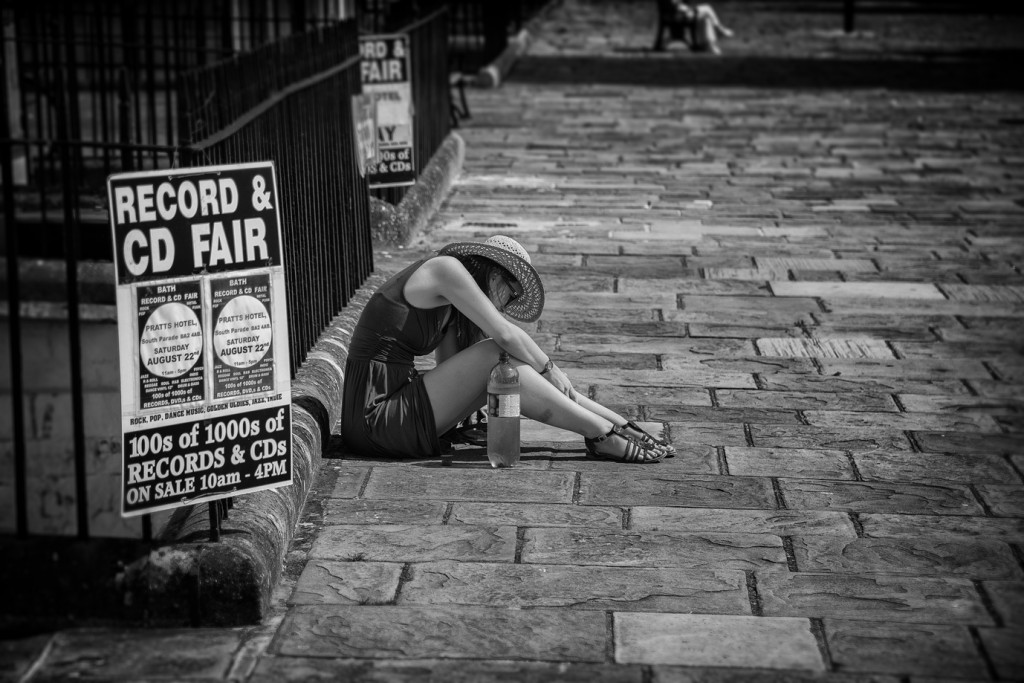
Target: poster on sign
<point x="203" y="335"/>
<point x="385" y="76"/>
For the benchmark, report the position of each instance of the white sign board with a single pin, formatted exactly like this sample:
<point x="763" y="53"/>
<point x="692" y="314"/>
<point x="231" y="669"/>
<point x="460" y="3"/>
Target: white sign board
<point x="203" y="334"/>
<point x="386" y="76"/>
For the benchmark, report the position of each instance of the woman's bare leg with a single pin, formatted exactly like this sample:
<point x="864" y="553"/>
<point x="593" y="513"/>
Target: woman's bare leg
<point x="458" y="386"/>
<point x="708" y="12"/>
<point x="705" y="37"/>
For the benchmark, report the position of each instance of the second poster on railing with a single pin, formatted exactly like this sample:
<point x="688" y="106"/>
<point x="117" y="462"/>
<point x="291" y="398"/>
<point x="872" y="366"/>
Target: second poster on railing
<point x="386" y="78"/>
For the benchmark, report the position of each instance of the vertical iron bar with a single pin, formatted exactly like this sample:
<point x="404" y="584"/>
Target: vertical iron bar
<point x="151" y="88"/>
<point x="70" y="165"/>
<point x="104" y="64"/>
<point x="124" y="108"/>
<point x="170" y="68"/>
<point x="124" y="115"/>
<point x="214" y="508"/>
<point x="848" y="12"/>
<point x="14" y="312"/>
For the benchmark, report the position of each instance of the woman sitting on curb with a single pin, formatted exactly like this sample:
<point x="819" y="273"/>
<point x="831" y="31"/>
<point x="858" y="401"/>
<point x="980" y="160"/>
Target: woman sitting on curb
<point x="452" y="304"/>
<point x="696" y="25"/>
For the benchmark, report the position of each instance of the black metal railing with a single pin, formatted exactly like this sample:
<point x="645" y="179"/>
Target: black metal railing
<point x="96" y="88"/>
<point x="96" y="80"/>
<point x="478" y="30"/>
<point x="290" y="102"/>
<point x="428" y="57"/>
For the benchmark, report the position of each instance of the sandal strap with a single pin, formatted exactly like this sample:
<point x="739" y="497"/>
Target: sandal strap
<point x="645" y="436"/>
<point x="649" y="439"/>
<point x="635" y="450"/>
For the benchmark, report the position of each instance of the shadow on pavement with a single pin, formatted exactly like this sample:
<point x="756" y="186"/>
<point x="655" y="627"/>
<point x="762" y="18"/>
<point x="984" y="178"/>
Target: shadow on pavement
<point x="974" y="71"/>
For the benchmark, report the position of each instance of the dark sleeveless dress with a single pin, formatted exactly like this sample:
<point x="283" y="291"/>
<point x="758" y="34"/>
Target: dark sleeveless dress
<point x="386" y="410"/>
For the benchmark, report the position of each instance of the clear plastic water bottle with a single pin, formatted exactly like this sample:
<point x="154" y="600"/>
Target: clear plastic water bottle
<point x="503" y="414"/>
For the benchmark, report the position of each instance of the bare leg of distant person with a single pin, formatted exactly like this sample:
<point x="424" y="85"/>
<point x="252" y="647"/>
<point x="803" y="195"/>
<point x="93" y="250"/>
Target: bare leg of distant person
<point x="707" y="29"/>
<point x="708" y="13"/>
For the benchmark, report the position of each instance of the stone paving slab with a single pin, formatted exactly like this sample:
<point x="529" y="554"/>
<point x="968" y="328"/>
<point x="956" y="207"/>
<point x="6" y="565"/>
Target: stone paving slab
<point x="905" y="332"/>
<point x="1008" y="405"/>
<point x="806" y="401"/>
<point x="800" y="463"/>
<point x="737" y="305"/>
<point x="963" y="309"/>
<point x="660" y="589"/>
<point x="659" y="487"/>
<point x="901" y="421"/>
<point x="864" y="385"/>
<point x="714" y="331"/>
<point x="535" y="515"/>
<point x="966" y="368"/>
<point x="406" y="543"/>
<point x="776" y="522"/>
<point x="888" y="525"/>
<point x="678" y="380"/>
<point x="854" y="347"/>
<point x="919" y="556"/>
<point x="858" y="290"/>
<point x="349" y="482"/>
<point x="768" y="319"/>
<point x="383" y="512"/>
<point x="592" y="343"/>
<point x="705" y="414"/>
<point x="964" y="443"/>
<point x="763" y="367"/>
<point x="932" y="468"/>
<point x="275" y="669"/>
<point x="853" y="440"/>
<point x="711" y="433"/>
<point x="325" y="582"/>
<point x="619" y="395"/>
<point x="904" y="649"/>
<point x="893" y="598"/>
<point x="1003" y="501"/>
<point x="401" y="632"/>
<point x="712" y="640"/>
<point x="512" y="485"/>
<point x="805" y="494"/>
<point x="705" y="550"/>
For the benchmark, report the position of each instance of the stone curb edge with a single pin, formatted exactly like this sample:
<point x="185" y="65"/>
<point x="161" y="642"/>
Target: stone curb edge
<point x="493" y="74"/>
<point x="230" y="583"/>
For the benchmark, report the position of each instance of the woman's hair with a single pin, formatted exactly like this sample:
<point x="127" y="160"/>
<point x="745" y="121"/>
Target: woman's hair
<point x="480" y="268"/>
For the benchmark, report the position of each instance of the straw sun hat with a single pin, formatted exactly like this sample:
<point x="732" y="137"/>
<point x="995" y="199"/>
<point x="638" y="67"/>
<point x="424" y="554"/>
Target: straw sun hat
<point x="511" y="256"/>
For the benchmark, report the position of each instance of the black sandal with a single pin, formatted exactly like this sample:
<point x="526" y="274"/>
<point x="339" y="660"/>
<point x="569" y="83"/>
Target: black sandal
<point x="650" y="441"/>
<point x="635" y="450"/>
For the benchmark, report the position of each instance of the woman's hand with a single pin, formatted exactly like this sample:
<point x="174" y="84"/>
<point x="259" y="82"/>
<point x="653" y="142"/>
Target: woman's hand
<point x="560" y="381"/>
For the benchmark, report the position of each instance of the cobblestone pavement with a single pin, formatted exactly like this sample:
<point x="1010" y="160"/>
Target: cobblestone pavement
<point x="815" y="293"/>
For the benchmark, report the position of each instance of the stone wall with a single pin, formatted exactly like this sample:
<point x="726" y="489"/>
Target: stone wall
<point x="46" y="377"/>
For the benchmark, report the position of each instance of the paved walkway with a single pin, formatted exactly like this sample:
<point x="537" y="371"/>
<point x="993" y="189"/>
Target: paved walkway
<point x="815" y="293"/>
